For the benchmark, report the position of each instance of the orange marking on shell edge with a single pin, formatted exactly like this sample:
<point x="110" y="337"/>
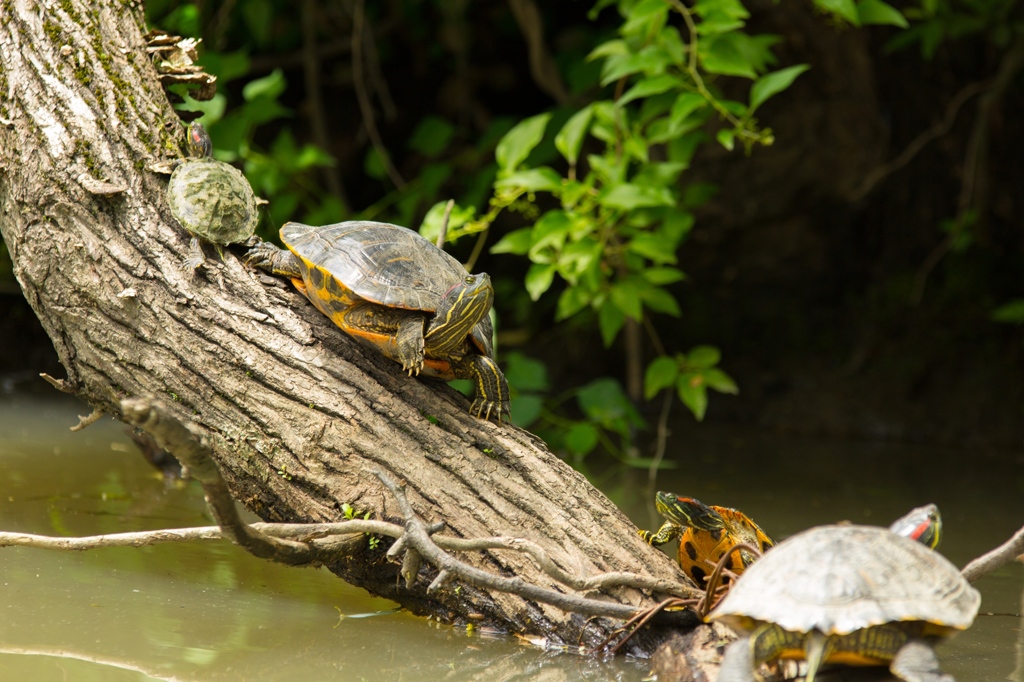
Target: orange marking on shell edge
<point x="300" y="285"/>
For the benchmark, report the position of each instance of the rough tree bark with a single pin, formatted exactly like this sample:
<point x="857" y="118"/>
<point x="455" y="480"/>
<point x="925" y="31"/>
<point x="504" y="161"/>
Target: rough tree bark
<point x="297" y="413"/>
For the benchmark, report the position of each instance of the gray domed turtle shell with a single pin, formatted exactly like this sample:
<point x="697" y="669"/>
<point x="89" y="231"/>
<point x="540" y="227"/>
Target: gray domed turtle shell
<point x="385" y="264"/>
<point x="844" y="578"/>
<point x="213" y="201"/>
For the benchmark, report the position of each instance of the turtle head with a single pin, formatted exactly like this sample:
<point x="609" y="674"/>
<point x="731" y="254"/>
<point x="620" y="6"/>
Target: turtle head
<point x="923" y="524"/>
<point x="198" y="143"/>
<point x="687" y="511"/>
<point x="461" y="308"/>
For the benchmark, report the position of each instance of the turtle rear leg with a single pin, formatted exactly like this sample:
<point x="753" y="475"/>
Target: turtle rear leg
<point x="196" y="257"/>
<point x="738" y="663"/>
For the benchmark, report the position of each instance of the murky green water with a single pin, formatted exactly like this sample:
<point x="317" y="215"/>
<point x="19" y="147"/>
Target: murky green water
<point x="208" y="611"/>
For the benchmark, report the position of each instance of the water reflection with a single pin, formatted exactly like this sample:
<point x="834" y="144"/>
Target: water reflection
<point x="208" y="611"/>
<point x="194" y="611"/>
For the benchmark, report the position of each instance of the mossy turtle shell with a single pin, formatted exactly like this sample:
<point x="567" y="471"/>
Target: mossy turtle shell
<point x="386" y="264"/>
<point x="213" y="201"/>
<point x="839" y="579"/>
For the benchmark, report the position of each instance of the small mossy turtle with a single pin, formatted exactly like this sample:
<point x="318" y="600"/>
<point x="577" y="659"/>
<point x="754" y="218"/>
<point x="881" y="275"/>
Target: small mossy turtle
<point x="390" y="288"/>
<point x="706" y="534"/>
<point x="849" y="595"/>
<point x="212" y="200"/>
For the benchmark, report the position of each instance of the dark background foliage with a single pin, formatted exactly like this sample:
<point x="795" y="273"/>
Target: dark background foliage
<point x="848" y="296"/>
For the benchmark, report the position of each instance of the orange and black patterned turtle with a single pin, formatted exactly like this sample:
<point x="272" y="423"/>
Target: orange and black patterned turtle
<point x="392" y="289"/>
<point x="706" y="534"/>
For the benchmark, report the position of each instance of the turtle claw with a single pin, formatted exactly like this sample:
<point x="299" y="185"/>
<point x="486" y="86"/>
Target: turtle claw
<point x="196" y="257"/>
<point x="485" y="409"/>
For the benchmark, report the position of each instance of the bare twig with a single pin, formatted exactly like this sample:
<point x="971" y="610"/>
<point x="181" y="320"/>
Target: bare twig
<point x="365" y="106"/>
<point x="61" y="385"/>
<point x="659" y="452"/>
<point x="443" y="234"/>
<point x="418" y="537"/>
<point x="93" y="417"/>
<point x="1012" y="549"/>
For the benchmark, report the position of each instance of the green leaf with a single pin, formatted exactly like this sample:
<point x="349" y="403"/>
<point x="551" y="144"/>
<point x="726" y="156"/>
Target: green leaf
<point x="720" y="381"/>
<point x="628" y="196"/>
<point x="1012" y="312"/>
<point x="431" y="136"/>
<point x="431" y="225"/>
<point x="570" y="138"/>
<point x="844" y="9"/>
<point x="725" y="54"/>
<point x="662" y="276"/>
<point x="878" y="12"/>
<point x="541" y="179"/>
<point x="627" y="299"/>
<point x="270" y="86"/>
<point x="539" y="278"/>
<point x="659" y="174"/>
<point x="727" y="138"/>
<point x="612" y="47"/>
<point x="703" y="357"/>
<point x="655" y="85"/>
<point x="524" y="373"/>
<point x="661" y="373"/>
<point x="550" y="231"/>
<point x="693" y="393"/>
<point x="610" y="319"/>
<point x="517" y="143"/>
<point x="686" y="104"/>
<point x="650" y="61"/>
<point x="516" y="242"/>
<point x="774" y="83"/>
<point x="653" y="246"/>
<point x="660" y="301"/>
<point x="581" y="438"/>
<point x="572" y="300"/>
<point x="604" y="401"/>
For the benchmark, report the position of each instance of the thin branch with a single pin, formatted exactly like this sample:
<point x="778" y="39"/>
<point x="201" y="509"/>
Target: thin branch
<point x="477" y="249"/>
<point x="311" y="74"/>
<point x="659" y="453"/>
<point x="365" y="106"/>
<point x="1011" y="550"/>
<point x="937" y="130"/>
<point x="542" y="64"/>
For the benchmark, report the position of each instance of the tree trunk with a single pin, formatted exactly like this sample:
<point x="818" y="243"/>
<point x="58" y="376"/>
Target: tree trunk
<point x="296" y="412"/>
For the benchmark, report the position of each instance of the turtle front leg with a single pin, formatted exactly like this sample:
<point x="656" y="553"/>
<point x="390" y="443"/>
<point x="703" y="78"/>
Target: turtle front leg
<point x="269" y="258"/>
<point x="667" y="532"/>
<point x="409" y="340"/>
<point x="492" y="398"/>
<point x="196" y="257"/>
<point x="916" y="662"/>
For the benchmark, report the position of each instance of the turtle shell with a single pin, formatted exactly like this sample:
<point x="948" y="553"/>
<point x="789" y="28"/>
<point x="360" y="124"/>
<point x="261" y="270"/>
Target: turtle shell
<point x="213" y="201"/>
<point x="838" y="579"/>
<point x="383" y="263"/>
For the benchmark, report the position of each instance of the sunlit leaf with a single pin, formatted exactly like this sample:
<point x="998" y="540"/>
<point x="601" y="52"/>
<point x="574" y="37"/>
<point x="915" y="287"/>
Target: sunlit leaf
<point x="610" y="319"/>
<point x="516" y="242"/>
<point x="570" y="138"/>
<point x="774" y="83"/>
<point x="541" y="179"/>
<point x="517" y="143"/>
<point x="581" y="438"/>
<point x="539" y="278"/>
